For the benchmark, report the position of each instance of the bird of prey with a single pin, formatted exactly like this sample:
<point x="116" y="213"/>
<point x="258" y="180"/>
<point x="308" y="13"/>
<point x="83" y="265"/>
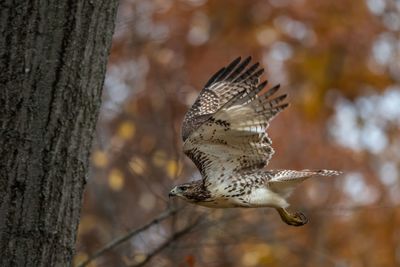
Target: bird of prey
<point x="224" y="134"/>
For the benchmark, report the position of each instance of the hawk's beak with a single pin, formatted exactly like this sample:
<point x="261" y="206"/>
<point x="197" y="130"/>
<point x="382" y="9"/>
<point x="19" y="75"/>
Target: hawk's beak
<point x="173" y="192"/>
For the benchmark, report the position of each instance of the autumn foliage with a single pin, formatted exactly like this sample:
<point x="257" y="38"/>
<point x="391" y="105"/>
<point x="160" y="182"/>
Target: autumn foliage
<point x="339" y="63"/>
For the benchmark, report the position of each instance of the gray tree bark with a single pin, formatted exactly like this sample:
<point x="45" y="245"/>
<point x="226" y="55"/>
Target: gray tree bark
<point x="53" y="56"/>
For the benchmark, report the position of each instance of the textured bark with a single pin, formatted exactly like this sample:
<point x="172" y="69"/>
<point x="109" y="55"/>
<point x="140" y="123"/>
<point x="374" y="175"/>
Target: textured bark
<point x="53" y="56"/>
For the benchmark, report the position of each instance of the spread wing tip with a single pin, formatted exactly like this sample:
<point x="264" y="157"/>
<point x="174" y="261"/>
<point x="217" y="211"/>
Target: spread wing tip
<point x="234" y="71"/>
<point x="236" y="83"/>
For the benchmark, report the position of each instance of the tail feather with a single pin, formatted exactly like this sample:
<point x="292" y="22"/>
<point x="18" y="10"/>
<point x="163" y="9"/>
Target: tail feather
<point x="289" y="175"/>
<point x="328" y="172"/>
<point x="284" y="181"/>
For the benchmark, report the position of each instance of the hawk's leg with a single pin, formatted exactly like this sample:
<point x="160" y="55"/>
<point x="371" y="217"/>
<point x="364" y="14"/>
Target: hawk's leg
<point x="295" y="219"/>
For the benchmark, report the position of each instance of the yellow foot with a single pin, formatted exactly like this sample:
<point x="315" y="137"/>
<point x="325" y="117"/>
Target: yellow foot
<point x="294" y="219"/>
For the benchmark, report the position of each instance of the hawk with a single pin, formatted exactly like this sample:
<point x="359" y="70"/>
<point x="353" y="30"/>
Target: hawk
<point x="224" y="134"/>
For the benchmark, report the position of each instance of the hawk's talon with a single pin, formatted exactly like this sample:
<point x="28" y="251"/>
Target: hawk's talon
<point x="300" y="219"/>
<point x="294" y="219"/>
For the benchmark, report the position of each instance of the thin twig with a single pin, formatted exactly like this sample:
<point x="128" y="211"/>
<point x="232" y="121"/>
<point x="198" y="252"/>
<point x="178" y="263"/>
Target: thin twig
<point x="168" y="242"/>
<point x="128" y="235"/>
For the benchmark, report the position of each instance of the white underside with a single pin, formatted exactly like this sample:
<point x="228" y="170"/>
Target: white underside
<point x="260" y="197"/>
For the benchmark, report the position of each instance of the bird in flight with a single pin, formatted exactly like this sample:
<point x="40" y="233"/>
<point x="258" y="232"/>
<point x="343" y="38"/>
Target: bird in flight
<point x="224" y="134"/>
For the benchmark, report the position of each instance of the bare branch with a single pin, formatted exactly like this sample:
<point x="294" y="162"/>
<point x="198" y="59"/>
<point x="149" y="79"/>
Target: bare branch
<point x="120" y="240"/>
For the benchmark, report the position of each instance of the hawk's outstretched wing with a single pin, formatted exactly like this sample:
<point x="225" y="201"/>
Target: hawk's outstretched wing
<point x="221" y="87"/>
<point x="224" y="131"/>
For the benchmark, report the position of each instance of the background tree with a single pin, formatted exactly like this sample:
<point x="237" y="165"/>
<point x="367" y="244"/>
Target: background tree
<point x="53" y="58"/>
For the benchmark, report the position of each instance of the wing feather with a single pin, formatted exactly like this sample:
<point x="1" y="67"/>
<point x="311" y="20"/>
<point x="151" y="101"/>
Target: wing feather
<point x="227" y="83"/>
<point x="231" y="136"/>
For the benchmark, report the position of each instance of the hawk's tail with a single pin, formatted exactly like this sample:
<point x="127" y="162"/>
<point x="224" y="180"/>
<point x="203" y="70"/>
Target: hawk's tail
<point x="284" y="181"/>
<point x="290" y="175"/>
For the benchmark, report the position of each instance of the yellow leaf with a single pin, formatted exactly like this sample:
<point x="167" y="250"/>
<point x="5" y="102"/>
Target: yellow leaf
<point x="87" y="223"/>
<point x="173" y="168"/>
<point x="159" y="158"/>
<point x="116" y="180"/>
<point x="138" y="166"/>
<point x="99" y="159"/>
<point x="80" y="257"/>
<point x="255" y="254"/>
<point x="126" y="130"/>
<point x="250" y="258"/>
<point x="164" y="56"/>
<point x="138" y="258"/>
<point x="266" y="36"/>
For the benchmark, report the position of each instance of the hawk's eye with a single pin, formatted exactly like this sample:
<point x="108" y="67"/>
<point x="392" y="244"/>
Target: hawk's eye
<point x="182" y="188"/>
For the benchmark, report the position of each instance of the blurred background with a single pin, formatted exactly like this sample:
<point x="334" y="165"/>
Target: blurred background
<point x="339" y="61"/>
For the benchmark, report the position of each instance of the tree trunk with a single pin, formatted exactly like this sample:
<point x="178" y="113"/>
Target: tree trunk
<point x="53" y="57"/>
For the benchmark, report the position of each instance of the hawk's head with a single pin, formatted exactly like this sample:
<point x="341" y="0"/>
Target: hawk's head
<point x="191" y="192"/>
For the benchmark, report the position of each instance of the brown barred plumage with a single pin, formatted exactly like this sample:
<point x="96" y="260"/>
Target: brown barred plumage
<point x="224" y="134"/>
